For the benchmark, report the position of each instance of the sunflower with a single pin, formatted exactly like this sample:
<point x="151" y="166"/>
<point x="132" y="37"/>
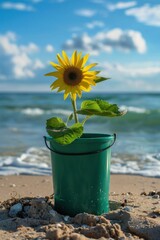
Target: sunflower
<point x="72" y="75"/>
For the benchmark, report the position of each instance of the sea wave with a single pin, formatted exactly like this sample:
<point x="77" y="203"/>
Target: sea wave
<point x="147" y="165"/>
<point x="33" y="111"/>
<point x="134" y="109"/>
<point x="39" y="111"/>
<point x="36" y="161"/>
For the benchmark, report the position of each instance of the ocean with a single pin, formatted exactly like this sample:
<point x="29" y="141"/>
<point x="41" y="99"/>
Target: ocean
<point x="22" y="127"/>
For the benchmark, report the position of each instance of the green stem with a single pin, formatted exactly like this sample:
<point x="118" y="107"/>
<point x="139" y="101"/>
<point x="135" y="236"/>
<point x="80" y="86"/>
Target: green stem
<point x="74" y="110"/>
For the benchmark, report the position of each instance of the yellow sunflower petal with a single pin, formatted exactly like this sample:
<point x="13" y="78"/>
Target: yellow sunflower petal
<point x="85" y="89"/>
<point x="85" y="59"/>
<point x="82" y="61"/>
<point x="60" y="89"/>
<point x="79" y="62"/>
<point x="89" y="78"/>
<point x="54" y="74"/>
<point x="48" y="74"/>
<point x="55" y="84"/>
<point x="74" y="95"/>
<point x="61" y="61"/>
<point x="72" y="75"/>
<point x="85" y="69"/>
<point x="79" y="56"/>
<point x="74" y="58"/>
<point x="79" y="92"/>
<point x="68" y="89"/>
<point x="89" y="81"/>
<point x="55" y="65"/>
<point x="91" y="73"/>
<point x="66" y="95"/>
<point x="66" y="59"/>
<point x="84" y="85"/>
<point x="88" y="89"/>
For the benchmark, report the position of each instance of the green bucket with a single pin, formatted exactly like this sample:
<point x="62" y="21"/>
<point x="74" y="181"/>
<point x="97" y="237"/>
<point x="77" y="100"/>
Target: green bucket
<point x="81" y="174"/>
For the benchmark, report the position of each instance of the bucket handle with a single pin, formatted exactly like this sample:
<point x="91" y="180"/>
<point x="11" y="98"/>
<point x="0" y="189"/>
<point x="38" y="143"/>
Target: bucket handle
<point x="86" y="153"/>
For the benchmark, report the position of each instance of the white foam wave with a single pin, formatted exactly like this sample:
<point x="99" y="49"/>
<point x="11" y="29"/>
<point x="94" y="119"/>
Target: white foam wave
<point x="33" y="111"/>
<point x="39" y="111"/>
<point x="35" y="161"/>
<point x="148" y="165"/>
<point x="134" y="109"/>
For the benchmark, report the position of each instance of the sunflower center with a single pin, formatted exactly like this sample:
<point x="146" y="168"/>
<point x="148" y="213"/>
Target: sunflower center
<point x="72" y="76"/>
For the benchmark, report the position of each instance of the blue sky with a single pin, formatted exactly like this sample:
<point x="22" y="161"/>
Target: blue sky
<point x="122" y="36"/>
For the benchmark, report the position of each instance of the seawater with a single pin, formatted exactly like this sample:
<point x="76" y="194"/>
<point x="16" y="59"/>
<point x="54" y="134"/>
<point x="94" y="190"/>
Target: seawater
<point x="23" y="117"/>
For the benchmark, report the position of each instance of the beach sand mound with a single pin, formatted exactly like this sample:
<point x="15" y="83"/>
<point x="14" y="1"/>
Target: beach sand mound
<point x="35" y="218"/>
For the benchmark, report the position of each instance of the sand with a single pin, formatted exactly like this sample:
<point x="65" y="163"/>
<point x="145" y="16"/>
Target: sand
<point x="136" y="215"/>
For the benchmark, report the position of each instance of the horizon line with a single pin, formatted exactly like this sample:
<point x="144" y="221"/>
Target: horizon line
<point x="93" y="92"/>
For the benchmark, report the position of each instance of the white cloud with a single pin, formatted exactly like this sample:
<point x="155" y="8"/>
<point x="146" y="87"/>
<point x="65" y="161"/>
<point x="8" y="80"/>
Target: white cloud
<point x="83" y="42"/>
<point x="38" y="64"/>
<point x="146" y="14"/>
<point x="94" y="24"/>
<point x="15" y="60"/>
<point x="121" y="5"/>
<point x="137" y="70"/>
<point x="49" y="48"/>
<point x="30" y="48"/>
<point x="115" y="39"/>
<point x="85" y="12"/>
<point x="132" y="77"/>
<point x="16" y="6"/>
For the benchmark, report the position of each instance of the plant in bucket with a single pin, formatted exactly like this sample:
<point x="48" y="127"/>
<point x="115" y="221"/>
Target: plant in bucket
<point x="80" y="161"/>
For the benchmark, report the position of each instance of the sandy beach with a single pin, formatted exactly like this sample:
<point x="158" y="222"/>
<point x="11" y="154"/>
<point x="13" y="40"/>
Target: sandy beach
<point x="33" y="186"/>
<point x="135" y="213"/>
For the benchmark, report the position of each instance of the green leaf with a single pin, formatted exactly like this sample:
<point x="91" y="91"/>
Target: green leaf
<point x="100" y="108"/>
<point x="56" y="123"/>
<point x="62" y="134"/>
<point x="101" y="79"/>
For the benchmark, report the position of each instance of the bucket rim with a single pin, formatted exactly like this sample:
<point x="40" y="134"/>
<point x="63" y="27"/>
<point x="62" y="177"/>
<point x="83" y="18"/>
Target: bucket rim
<point x="90" y="136"/>
<point x="104" y="141"/>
